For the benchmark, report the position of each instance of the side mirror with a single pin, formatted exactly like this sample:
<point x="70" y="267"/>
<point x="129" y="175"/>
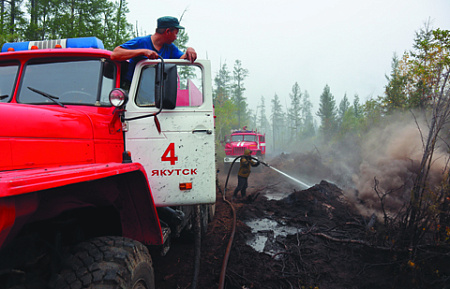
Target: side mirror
<point x="168" y="99"/>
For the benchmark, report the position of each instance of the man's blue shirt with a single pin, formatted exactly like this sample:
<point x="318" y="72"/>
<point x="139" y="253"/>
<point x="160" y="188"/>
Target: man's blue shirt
<point x="168" y="51"/>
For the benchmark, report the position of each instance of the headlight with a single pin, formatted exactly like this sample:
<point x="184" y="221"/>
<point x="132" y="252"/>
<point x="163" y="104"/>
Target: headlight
<point x="118" y="97"/>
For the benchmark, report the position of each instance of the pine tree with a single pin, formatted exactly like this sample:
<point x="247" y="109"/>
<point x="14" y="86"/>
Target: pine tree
<point x="357" y="108"/>
<point x="327" y="113"/>
<point x="263" y="123"/>
<point x="225" y="109"/>
<point x="223" y="86"/>
<point x="344" y="106"/>
<point x="239" y="75"/>
<point x="294" y="112"/>
<point x="395" y="96"/>
<point x="308" y="129"/>
<point x="277" y="123"/>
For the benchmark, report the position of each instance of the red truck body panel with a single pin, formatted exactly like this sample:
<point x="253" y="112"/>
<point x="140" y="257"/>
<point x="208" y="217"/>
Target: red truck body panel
<point x="36" y="136"/>
<point x="14" y="183"/>
<point x="46" y="150"/>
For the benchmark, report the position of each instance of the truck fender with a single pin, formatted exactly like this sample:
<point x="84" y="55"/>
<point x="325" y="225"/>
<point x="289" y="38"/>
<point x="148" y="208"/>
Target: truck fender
<point x="124" y="188"/>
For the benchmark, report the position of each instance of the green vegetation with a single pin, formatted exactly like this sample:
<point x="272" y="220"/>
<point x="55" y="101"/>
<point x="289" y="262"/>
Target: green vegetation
<point x="54" y="19"/>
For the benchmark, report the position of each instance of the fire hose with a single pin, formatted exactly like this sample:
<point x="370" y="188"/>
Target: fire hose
<point x="233" y="230"/>
<point x="230" y="242"/>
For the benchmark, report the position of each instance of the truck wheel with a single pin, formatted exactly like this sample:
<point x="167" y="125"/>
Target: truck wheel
<point x="107" y="263"/>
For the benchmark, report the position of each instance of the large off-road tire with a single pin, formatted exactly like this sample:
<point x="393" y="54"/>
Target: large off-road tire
<point x="107" y="263"/>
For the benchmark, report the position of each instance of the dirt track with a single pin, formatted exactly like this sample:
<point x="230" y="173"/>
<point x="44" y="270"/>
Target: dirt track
<point x="324" y="253"/>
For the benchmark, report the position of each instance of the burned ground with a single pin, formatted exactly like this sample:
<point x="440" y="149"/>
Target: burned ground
<point x="334" y="246"/>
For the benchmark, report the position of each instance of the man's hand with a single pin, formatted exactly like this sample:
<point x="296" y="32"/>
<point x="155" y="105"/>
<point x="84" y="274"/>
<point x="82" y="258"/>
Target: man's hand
<point x="150" y="54"/>
<point x="190" y="54"/>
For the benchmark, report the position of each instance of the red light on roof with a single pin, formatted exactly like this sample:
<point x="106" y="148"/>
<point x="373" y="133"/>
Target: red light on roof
<point x="33" y="47"/>
<point x="10" y="49"/>
<point x="58" y="46"/>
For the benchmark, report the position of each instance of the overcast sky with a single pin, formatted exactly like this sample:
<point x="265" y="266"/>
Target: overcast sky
<point x="346" y="44"/>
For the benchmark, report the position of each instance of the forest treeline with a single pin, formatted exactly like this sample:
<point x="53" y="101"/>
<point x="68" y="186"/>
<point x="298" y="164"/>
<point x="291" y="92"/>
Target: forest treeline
<point x="413" y="79"/>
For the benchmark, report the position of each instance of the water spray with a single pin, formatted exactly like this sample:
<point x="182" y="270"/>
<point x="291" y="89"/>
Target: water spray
<point x="305" y="185"/>
<point x="286" y="175"/>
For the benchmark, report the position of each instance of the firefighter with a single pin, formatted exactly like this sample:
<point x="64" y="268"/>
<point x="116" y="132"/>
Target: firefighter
<point x="244" y="172"/>
<point x="151" y="46"/>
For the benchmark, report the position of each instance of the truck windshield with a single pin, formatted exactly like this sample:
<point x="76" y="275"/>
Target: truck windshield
<point x="8" y="73"/>
<point x="237" y="137"/>
<point x="243" y="137"/>
<point x="71" y="81"/>
<point x="249" y="137"/>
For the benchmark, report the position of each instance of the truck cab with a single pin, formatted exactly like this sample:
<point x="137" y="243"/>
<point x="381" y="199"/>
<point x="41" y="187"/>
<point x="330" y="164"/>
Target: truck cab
<point x="87" y="156"/>
<point x="239" y="140"/>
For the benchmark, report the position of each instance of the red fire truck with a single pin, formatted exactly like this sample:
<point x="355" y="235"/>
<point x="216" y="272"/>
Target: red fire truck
<point x="239" y="140"/>
<point x="94" y="170"/>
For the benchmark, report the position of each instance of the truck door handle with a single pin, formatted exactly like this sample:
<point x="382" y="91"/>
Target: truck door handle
<point x="208" y="131"/>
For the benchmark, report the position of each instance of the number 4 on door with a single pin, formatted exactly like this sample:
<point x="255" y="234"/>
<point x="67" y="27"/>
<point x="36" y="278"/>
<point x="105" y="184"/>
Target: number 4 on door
<point x="169" y="154"/>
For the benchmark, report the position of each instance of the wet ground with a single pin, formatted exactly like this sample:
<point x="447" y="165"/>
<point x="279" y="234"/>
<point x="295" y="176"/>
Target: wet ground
<point x="290" y="236"/>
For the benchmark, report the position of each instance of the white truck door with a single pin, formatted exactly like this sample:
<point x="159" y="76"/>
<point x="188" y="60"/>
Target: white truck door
<point x="180" y="161"/>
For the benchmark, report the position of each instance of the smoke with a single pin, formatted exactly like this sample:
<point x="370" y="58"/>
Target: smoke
<point x="391" y="155"/>
<point x="385" y="158"/>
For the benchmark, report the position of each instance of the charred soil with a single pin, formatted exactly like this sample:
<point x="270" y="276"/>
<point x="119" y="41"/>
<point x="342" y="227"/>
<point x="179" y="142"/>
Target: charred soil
<point x="330" y="249"/>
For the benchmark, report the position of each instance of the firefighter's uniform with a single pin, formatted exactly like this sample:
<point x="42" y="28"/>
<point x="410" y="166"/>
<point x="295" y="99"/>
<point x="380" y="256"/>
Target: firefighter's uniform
<point x="244" y="172"/>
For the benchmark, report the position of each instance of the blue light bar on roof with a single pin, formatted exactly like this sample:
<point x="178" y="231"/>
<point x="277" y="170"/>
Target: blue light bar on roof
<point x="83" y="42"/>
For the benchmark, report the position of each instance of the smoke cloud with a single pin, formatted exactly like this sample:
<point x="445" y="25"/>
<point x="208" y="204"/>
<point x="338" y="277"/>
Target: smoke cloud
<point x="392" y="155"/>
<point x="388" y="156"/>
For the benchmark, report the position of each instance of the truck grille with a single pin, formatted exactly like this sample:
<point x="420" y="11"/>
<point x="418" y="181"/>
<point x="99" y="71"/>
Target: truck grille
<point x="238" y="151"/>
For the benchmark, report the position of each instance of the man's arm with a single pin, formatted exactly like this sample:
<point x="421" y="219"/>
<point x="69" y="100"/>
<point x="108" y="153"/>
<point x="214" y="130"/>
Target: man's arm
<point x="254" y="163"/>
<point x="121" y="54"/>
